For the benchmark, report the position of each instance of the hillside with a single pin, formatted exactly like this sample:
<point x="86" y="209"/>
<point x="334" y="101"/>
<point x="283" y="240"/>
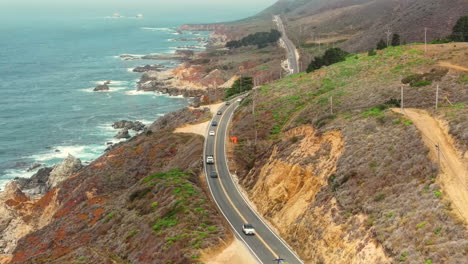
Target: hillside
<point x="359" y="183"/>
<point x="341" y="21"/>
<point x="142" y="202"/>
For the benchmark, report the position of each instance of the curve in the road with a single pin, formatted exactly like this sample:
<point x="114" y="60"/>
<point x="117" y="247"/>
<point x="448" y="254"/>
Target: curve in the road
<point x="292" y="53"/>
<point x="265" y="245"/>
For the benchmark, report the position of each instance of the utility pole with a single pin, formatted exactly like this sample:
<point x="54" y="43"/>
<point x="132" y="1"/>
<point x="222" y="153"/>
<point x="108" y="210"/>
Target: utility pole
<point x="437" y="98"/>
<point x="425" y="40"/>
<point x="254" y="121"/>
<point x="319" y="42"/>
<point x="402" y="99"/>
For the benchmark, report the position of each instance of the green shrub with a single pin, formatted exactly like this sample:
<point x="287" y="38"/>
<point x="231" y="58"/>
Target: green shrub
<point x="138" y="194"/>
<point x="381" y="44"/>
<point x="240" y="85"/>
<point x="260" y="39"/>
<point x="464" y="79"/>
<point x="420" y="83"/>
<point x="371" y="52"/>
<point x="379" y="197"/>
<point x="403" y="256"/>
<point x="460" y="30"/>
<point x="330" y="57"/>
<point x="440" y="41"/>
<point x="420" y="225"/>
<point x="438" y="194"/>
<point x="396" y="40"/>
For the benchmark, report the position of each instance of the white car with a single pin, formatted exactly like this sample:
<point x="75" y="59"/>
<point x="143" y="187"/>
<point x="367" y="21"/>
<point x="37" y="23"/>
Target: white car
<point x="209" y="159"/>
<point x="212" y="133"/>
<point x="248" y="229"/>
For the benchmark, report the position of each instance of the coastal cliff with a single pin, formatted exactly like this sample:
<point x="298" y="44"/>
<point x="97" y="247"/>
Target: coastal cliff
<point x="141" y="201"/>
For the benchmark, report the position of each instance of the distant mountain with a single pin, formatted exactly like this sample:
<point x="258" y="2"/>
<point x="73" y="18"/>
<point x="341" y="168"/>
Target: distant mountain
<point x="359" y="24"/>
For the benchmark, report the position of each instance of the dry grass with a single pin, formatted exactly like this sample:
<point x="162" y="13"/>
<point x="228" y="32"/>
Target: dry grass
<point x="385" y="172"/>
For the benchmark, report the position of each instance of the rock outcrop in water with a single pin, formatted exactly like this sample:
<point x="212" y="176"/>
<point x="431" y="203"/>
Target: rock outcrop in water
<point x="146" y="68"/>
<point x="123" y="134"/>
<point x="35" y="185"/>
<point x="102" y="87"/>
<point x="47" y="178"/>
<point x="136" y="126"/>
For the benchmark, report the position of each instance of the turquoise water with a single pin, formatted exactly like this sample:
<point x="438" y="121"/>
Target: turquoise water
<point x="48" y="67"/>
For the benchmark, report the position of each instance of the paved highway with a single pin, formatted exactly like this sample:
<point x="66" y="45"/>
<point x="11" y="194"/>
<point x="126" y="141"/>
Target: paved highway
<point x="291" y="50"/>
<point x="265" y="245"/>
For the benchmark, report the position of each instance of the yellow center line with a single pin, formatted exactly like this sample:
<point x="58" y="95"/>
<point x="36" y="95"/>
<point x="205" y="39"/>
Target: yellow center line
<point x="229" y="199"/>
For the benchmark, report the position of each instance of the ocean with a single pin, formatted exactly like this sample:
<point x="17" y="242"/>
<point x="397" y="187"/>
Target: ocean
<point x="49" y="65"/>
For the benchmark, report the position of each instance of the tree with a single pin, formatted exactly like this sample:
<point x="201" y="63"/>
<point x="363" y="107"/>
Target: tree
<point x="460" y="30"/>
<point x="260" y="39"/>
<point x="381" y="44"/>
<point x="396" y="40"/>
<point x="330" y="57"/>
<point x="240" y="85"/>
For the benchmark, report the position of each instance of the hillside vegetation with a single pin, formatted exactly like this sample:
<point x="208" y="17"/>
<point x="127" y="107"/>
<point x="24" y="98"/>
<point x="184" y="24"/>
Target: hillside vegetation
<point x="344" y="178"/>
<point x="357" y="25"/>
<point x="141" y="202"/>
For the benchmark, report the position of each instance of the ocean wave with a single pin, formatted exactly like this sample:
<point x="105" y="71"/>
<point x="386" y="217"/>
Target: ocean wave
<point x="112" y="82"/>
<point x="157" y="29"/>
<point x="130" y="69"/>
<point x="14" y="173"/>
<point x="58" y="153"/>
<point x="111" y="90"/>
<point x="135" y="92"/>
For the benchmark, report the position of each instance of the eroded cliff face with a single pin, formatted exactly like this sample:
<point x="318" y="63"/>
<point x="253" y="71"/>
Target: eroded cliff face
<point x="28" y="205"/>
<point x="288" y="180"/>
<point x="290" y="177"/>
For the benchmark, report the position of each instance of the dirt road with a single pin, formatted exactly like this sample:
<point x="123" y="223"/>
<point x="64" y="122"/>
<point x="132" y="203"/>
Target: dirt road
<point x="453" y="176"/>
<point x="452" y="66"/>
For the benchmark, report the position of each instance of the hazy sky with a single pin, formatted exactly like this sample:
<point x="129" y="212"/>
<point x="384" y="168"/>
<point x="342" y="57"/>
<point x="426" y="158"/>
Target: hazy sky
<point x="259" y="4"/>
<point x="227" y="9"/>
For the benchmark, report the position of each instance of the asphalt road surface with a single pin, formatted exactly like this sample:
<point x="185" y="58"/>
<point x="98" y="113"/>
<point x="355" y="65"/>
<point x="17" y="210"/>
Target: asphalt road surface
<point x="290" y="47"/>
<point x="265" y="245"/>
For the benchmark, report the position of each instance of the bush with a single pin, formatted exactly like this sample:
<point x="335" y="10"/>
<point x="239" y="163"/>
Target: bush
<point x="381" y="45"/>
<point x="393" y="102"/>
<point x="138" y="194"/>
<point x="371" y="52"/>
<point x="460" y="30"/>
<point x="440" y="41"/>
<point x="330" y="57"/>
<point x="379" y="197"/>
<point x="396" y="40"/>
<point x="420" y="83"/>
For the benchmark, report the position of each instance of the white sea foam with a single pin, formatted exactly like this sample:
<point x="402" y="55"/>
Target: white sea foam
<point x="135" y="92"/>
<point x="156" y="29"/>
<point x="85" y="153"/>
<point x="112" y="83"/>
<point x="130" y="69"/>
<point x="14" y="173"/>
<point x="112" y="89"/>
